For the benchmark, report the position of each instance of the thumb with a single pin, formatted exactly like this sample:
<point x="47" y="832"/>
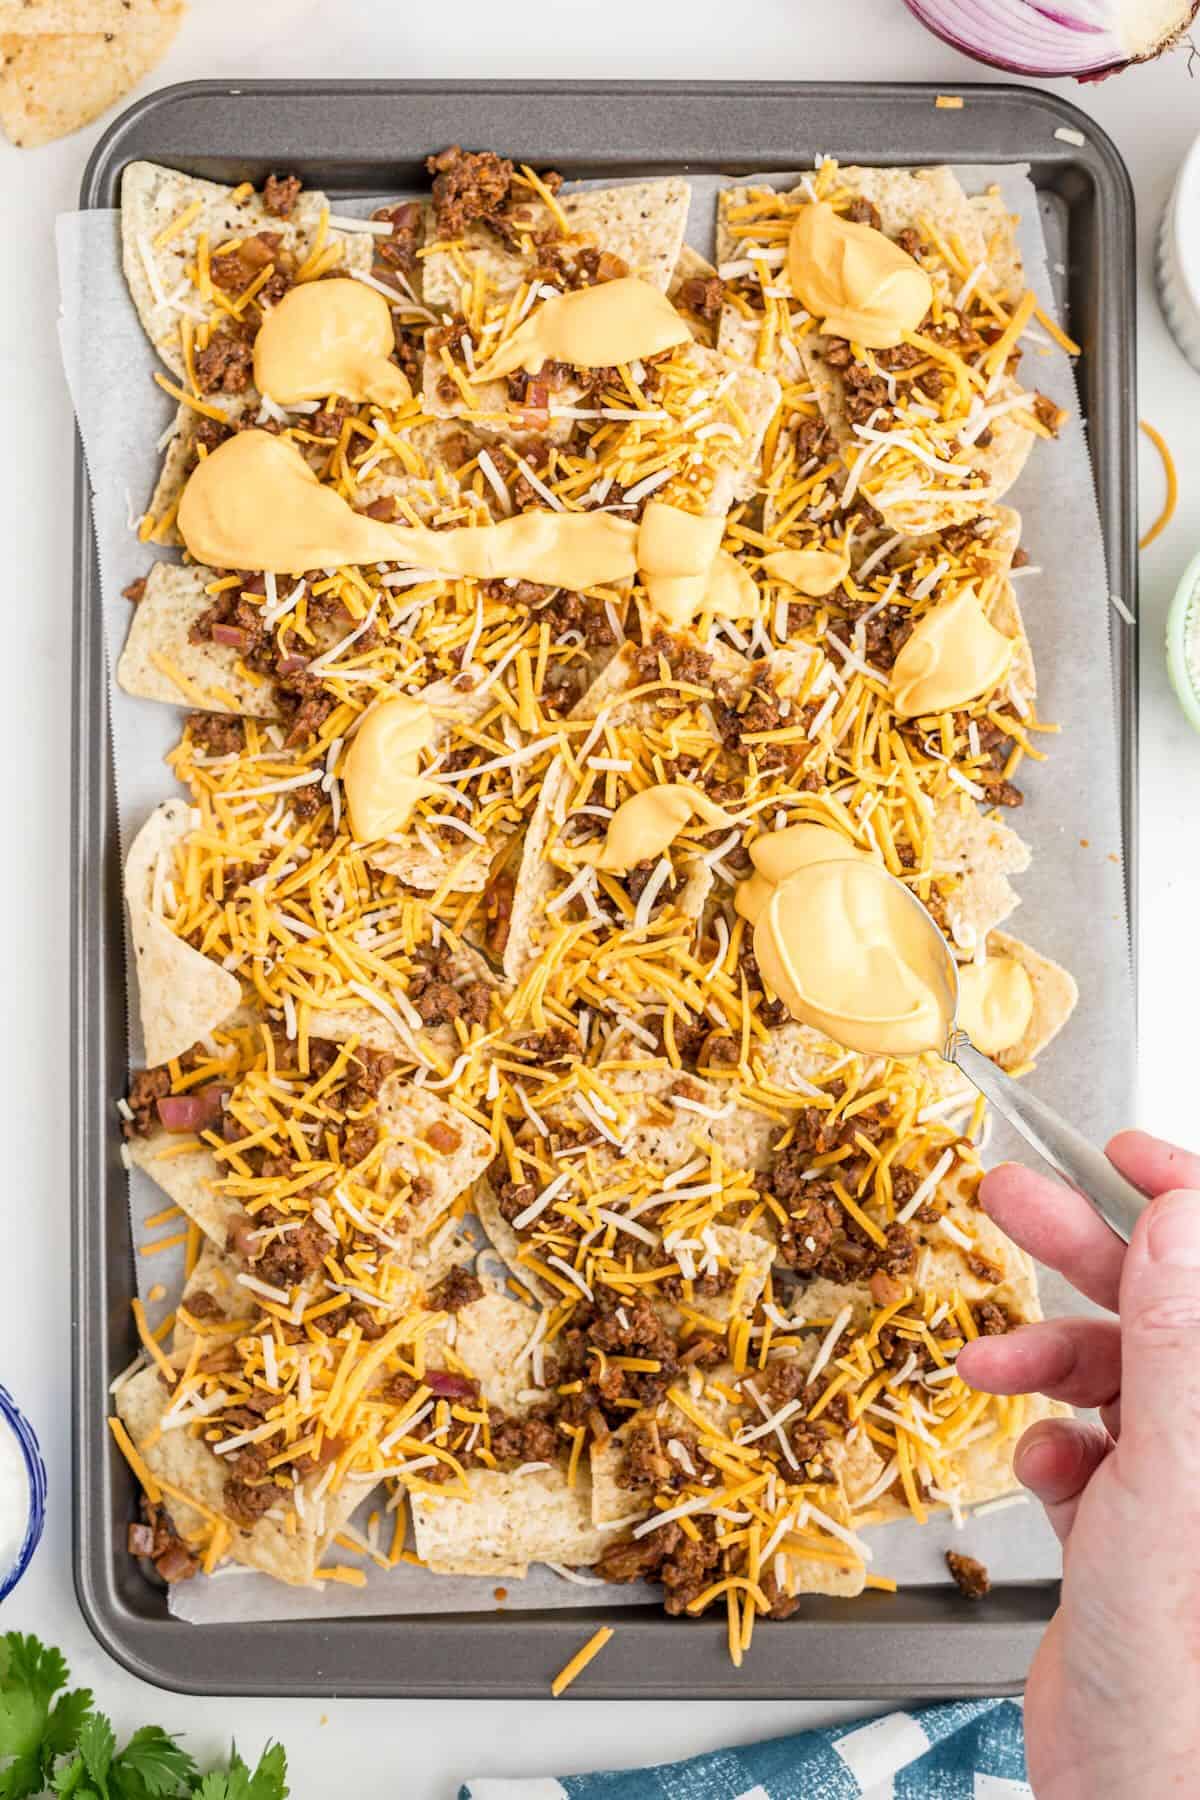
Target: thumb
<point x="1160" y="1346"/>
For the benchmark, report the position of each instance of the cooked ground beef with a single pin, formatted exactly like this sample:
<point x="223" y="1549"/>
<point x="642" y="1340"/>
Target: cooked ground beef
<point x="970" y="1575"/>
<point x="994" y="1319"/>
<point x="358" y="1141"/>
<point x="517" y="1441"/>
<point x="684" y="662"/>
<point x="456" y="1290"/>
<point x="563" y="610"/>
<point x="136" y="590"/>
<point x="437" y="998"/>
<point x="862" y="212"/>
<point x="224" y="365"/>
<point x="246" y="1502"/>
<point x="683" y="1566"/>
<point x="703" y="295"/>
<point x="216" y="734"/>
<point x="289" y="1259"/>
<point x="821" y="1238"/>
<point x="400" y="250"/>
<point x="813" y="439"/>
<point x="280" y="193"/>
<point x="648" y="1463"/>
<point x="203" y="1305"/>
<point x="467" y="184"/>
<point x="146" y="1086"/>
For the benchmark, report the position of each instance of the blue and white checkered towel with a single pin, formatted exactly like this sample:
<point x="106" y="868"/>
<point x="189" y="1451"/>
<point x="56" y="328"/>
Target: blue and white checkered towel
<point x="964" y="1750"/>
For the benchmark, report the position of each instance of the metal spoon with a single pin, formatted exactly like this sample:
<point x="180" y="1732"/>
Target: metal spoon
<point x="1087" y="1169"/>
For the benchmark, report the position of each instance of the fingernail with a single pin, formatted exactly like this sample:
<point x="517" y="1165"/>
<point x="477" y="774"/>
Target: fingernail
<point x="1173" y="1236"/>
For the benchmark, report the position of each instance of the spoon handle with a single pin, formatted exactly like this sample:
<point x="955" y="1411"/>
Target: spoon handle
<point x="1117" y="1201"/>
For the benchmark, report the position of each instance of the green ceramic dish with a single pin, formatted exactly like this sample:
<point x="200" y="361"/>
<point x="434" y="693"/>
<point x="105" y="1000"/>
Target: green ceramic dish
<point x="1183" y="642"/>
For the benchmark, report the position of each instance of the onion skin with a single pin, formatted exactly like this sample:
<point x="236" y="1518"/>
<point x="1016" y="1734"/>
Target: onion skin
<point x="1017" y="35"/>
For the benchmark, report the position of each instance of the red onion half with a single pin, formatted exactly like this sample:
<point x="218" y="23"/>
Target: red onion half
<point x="1086" y="38"/>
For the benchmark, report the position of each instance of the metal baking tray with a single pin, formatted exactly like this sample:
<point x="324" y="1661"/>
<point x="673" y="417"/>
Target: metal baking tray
<point x="364" y="137"/>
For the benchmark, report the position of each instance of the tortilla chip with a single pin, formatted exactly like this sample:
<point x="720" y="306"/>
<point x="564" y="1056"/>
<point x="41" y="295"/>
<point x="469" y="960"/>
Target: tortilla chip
<point x="757" y="394"/>
<point x="1055" y="995"/>
<point x="613" y="1501"/>
<point x="198" y="1474"/>
<point x="691" y="266"/>
<point x="510" y="1521"/>
<point x="153" y="197"/>
<point x="489" y="1339"/>
<point x="159" y="628"/>
<point x="183" y="996"/>
<point x="53" y="84"/>
<point x="903" y="197"/>
<point x="643" y="223"/>
<point x="982" y="853"/>
<point x="1020" y="680"/>
<point x="433" y="1144"/>
<point x="187" y="1178"/>
<point x="179" y="459"/>
<point x="215" y="1274"/>
<point x="33" y="17"/>
<point x="437" y="495"/>
<point x="537" y="877"/>
<point x="454" y="702"/>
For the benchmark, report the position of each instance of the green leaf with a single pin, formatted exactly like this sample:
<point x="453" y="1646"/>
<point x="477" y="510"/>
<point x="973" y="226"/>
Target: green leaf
<point x="69" y="1776"/>
<point x="97" y="1741"/>
<point x="152" y="1764"/>
<point x="32" y="1666"/>
<point x="220" y="1786"/>
<point x="269" y="1781"/>
<point x="22" y="1718"/>
<point x="66" y="1721"/>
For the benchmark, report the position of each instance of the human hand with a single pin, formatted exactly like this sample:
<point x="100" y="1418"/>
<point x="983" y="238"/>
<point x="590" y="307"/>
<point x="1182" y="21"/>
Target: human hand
<point x="1112" y="1706"/>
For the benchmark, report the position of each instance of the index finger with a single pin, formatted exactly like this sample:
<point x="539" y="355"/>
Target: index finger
<point x="1058" y="1226"/>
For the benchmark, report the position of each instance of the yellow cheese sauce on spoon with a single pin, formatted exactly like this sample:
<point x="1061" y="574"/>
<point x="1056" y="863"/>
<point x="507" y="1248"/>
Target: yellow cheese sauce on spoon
<point x="849" y="952"/>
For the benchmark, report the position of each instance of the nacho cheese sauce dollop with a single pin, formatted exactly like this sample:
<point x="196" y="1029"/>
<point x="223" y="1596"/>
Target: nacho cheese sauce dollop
<point x="648" y="823"/>
<point x="850" y="955"/>
<point x="954" y="654"/>
<point x="329" y="337"/>
<point x="814" y="573"/>
<point x="782" y="853"/>
<point x="995" y="1003"/>
<point x="854" y="280"/>
<point x="592" y="328"/>
<point x="254" y="503"/>
<point x="380" y="771"/>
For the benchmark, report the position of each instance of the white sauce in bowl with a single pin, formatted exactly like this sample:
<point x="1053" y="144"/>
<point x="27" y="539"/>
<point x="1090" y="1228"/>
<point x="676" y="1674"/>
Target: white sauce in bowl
<point x="14" y="1499"/>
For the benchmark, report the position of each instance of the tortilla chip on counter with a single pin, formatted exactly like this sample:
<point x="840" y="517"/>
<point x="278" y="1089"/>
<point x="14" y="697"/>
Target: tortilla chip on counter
<point x="56" y="78"/>
<point x="160" y="662"/>
<point x="507" y="1521"/>
<point x="193" y="1482"/>
<point x="182" y="995"/>
<point x="165" y="213"/>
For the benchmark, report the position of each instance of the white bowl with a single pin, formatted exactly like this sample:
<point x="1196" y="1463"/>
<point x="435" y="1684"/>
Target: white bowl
<point x="1177" y="258"/>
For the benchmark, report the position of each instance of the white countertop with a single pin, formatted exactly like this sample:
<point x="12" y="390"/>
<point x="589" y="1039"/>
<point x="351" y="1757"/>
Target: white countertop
<point x="422" y="1750"/>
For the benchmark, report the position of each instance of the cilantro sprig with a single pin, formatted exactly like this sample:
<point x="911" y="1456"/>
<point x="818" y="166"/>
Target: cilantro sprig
<point x="53" y="1740"/>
